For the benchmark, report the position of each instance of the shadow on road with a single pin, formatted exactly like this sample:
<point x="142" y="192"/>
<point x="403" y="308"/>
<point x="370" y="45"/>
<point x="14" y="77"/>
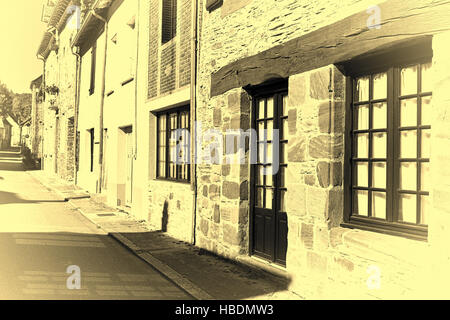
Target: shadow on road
<point x="9" y="197"/>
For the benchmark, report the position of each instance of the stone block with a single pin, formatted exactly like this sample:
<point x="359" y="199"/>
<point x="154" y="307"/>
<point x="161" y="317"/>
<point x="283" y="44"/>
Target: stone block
<point x="296" y="200"/>
<point x="307" y="235"/>
<point x="316" y="262"/>
<point x="234" y="103"/>
<point x="310" y="180"/>
<point x="297" y="149"/>
<point x="336" y="174"/>
<point x="226" y="170"/>
<point x="297" y="91"/>
<point x="323" y="174"/>
<point x="292" y="122"/>
<point x="320" y="84"/>
<point x="216" y="213"/>
<point x="325" y="117"/>
<point x="232" y="235"/>
<point x="204" y="226"/>
<point x="217" y="117"/>
<point x="244" y="190"/>
<point x="317" y="202"/>
<point x="231" y="190"/>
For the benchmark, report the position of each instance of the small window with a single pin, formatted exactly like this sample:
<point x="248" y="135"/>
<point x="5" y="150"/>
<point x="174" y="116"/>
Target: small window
<point x="169" y="20"/>
<point x="173" y="145"/>
<point x="390" y="149"/>
<point x="93" y="63"/>
<point x="92" y="144"/>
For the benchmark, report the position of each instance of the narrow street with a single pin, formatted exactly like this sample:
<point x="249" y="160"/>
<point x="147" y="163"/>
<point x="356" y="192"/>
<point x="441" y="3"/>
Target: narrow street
<point x="41" y="236"/>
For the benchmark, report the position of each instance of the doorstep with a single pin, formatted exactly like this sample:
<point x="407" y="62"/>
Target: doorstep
<point x="269" y="267"/>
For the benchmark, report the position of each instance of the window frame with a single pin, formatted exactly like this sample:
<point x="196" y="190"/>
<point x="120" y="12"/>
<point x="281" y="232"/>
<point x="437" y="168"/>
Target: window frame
<point x="93" y="69"/>
<point x="167" y="114"/>
<point x="391" y="64"/>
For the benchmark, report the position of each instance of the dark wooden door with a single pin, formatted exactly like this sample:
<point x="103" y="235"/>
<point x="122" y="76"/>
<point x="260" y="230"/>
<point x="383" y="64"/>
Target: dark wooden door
<point x="269" y="223"/>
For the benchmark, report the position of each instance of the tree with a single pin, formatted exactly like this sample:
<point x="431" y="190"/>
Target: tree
<point x="21" y="107"/>
<point x="6" y="99"/>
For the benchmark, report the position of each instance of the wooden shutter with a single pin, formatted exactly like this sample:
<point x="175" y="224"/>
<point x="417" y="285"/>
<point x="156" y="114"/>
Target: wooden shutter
<point x="169" y="20"/>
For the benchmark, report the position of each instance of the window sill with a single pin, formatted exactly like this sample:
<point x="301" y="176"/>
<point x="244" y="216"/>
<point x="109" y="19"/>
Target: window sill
<point x="394" y="229"/>
<point x="183" y="182"/>
<point x="377" y="246"/>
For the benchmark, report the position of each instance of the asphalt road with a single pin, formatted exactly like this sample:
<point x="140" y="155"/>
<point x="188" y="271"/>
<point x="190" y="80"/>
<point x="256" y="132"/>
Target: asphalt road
<point x="41" y="237"/>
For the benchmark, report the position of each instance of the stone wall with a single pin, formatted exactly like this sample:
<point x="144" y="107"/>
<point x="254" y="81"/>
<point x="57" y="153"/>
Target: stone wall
<point x="223" y="186"/>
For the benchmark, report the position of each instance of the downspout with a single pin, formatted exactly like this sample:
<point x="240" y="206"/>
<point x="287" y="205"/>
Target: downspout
<point x="135" y="151"/>
<point x="77" y="106"/>
<point x="42" y="133"/>
<point x="102" y="104"/>
<point x="193" y="102"/>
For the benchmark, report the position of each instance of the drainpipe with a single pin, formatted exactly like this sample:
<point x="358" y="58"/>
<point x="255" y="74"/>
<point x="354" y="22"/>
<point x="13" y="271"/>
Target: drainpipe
<point x="42" y="132"/>
<point x="194" y="118"/>
<point x="77" y="106"/>
<point x="102" y="103"/>
<point x="136" y="80"/>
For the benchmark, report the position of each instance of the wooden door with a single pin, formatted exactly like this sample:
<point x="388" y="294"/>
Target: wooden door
<point x="269" y="221"/>
<point x="129" y="168"/>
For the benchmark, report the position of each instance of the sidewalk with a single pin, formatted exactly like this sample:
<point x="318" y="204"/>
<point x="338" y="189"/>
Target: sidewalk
<point x="203" y="275"/>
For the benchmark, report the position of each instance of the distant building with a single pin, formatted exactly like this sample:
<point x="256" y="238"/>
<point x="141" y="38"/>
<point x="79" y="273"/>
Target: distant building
<point x="37" y="117"/>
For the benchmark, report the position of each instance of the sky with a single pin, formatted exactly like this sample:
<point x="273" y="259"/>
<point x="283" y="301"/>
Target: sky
<point x="21" y="32"/>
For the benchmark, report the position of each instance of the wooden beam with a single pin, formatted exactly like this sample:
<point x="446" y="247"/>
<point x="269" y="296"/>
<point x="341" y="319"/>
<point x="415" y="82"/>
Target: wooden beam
<point x="336" y="43"/>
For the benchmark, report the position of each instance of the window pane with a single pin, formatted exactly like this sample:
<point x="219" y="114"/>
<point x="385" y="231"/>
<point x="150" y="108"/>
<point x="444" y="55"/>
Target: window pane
<point x="379" y="175"/>
<point x="261" y="153"/>
<point x="269" y="198"/>
<point x="283" y="201"/>
<point x="379" y="116"/>
<point x="380" y="86"/>
<point x="261" y="109"/>
<point x="379" y="145"/>
<point x="408" y="176"/>
<point x="408" y="113"/>
<point x="407" y="208"/>
<point x="282" y="171"/>
<point x="379" y="205"/>
<point x="362" y="174"/>
<point x="285" y="133"/>
<point x="269" y="154"/>
<point x="362" y="146"/>
<point x="425" y="208"/>
<point x="408" y="80"/>
<point x="425" y="176"/>
<point x="284" y="154"/>
<point x="269" y="129"/>
<point x="259" y="197"/>
<point x="284" y="110"/>
<point x="162" y="169"/>
<point x="362" y="117"/>
<point x="426" y="78"/>
<point x="270" y="108"/>
<point x="426" y="111"/>
<point x="361" y="202"/>
<point x="426" y="143"/>
<point x="362" y="89"/>
<point x="261" y="131"/>
<point x="408" y="144"/>
<point x="259" y="175"/>
<point x="269" y="176"/>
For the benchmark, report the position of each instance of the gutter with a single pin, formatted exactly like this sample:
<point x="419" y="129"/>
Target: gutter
<point x="193" y="160"/>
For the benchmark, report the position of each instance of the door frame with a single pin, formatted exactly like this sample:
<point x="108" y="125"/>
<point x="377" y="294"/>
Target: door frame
<point x="268" y="88"/>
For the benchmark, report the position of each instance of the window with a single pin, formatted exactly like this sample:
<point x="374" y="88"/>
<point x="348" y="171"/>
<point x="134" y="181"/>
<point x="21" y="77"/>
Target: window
<point x="173" y="153"/>
<point x="390" y="149"/>
<point x="92" y="143"/>
<point x="93" y="62"/>
<point x="169" y="20"/>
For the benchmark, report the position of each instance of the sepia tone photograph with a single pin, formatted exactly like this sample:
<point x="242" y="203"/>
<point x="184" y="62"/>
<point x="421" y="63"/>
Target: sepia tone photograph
<point x="203" y="151"/>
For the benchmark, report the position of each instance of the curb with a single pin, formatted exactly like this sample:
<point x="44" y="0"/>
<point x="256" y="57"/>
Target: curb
<point x="160" y="266"/>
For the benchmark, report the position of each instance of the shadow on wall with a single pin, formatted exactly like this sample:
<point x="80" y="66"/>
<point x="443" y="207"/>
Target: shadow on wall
<point x="165" y="217"/>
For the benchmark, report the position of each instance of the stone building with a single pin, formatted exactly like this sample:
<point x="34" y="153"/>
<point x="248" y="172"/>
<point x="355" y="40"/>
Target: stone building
<point x="59" y="81"/>
<point x="107" y="42"/>
<point x="37" y="116"/>
<point x="357" y="205"/>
